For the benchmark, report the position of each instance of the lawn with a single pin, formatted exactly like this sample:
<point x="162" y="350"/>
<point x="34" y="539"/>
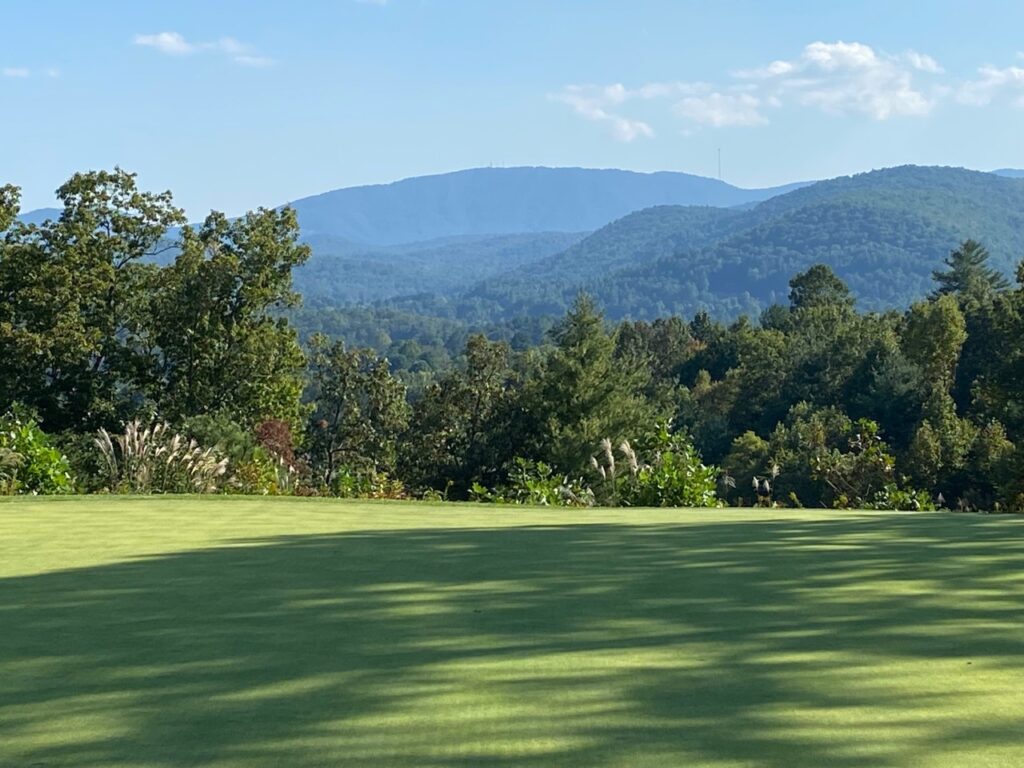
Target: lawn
<point x="260" y="632"/>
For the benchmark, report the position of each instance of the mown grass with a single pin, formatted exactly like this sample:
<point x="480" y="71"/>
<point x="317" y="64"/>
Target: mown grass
<point x="262" y="632"/>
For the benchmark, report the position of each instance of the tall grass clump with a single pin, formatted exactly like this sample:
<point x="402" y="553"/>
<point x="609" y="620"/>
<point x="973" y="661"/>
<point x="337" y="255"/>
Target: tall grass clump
<point x="156" y="459"/>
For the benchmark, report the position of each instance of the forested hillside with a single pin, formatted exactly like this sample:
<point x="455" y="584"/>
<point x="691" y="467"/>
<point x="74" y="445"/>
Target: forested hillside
<point x="340" y="272"/>
<point x="883" y="232"/>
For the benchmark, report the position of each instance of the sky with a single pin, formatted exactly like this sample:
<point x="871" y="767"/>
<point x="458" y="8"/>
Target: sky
<point x="233" y="105"/>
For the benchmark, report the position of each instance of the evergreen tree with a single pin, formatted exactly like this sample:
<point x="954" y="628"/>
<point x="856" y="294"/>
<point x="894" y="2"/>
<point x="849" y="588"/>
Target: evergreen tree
<point x="580" y="393"/>
<point x="968" y="275"/>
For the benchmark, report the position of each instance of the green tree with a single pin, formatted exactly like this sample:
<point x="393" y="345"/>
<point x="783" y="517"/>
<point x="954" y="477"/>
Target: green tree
<point x="747" y="459"/>
<point x="359" y="411"/>
<point x="10" y="204"/>
<point x="933" y="338"/>
<point x="580" y="393"/>
<point x="460" y="431"/>
<point x="968" y="275"/>
<point x="219" y="340"/>
<point x="934" y="335"/>
<point x="69" y="319"/>
<point x="818" y="286"/>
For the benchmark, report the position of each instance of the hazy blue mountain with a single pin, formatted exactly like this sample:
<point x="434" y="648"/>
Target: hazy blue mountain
<point x="485" y="201"/>
<point x="39" y="215"/>
<point x="1013" y="173"/>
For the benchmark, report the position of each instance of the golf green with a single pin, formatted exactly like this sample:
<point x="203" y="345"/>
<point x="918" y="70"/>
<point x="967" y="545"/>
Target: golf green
<point x="236" y="632"/>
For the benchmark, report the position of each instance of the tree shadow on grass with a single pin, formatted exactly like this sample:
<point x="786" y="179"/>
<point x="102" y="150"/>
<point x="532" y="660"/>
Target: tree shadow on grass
<point x="863" y="641"/>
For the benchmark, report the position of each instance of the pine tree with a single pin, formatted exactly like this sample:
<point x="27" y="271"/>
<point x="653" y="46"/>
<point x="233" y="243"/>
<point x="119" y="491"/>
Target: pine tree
<point x="969" y="277"/>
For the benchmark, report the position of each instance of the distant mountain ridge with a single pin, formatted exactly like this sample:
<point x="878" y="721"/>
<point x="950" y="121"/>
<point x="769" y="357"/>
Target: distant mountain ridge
<point x="490" y="201"/>
<point x="425" y="208"/>
<point x="39" y="215"/>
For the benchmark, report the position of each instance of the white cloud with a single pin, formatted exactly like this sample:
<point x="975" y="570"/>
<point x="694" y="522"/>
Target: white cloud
<point x="174" y="44"/>
<point x="923" y="63"/>
<point x="844" y="78"/>
<point x="604" y="104"/>
<point x="837" y="78"/>
<point x="775" y="69"/>
<point x="591" y="104"/>
<point x="852" y="78"/>
<point x="166" y="42"/>
<point x="834" y="56"/>
<point x="991" y="82"/>
<point x="721" y="109"/>
<point x="18" y="72"/>
<point x="229" y="46"/>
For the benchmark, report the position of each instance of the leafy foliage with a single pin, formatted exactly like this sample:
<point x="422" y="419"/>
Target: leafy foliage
<point x="360" y="410"/>
<point x="672" y="476"/>
<point x="536" y="483"/>
<point x="29" y="462"/>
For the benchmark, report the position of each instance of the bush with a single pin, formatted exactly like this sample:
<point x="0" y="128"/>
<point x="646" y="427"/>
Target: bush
<point x="87" y="466"/>
<point x="860" y="474"/>
<point x="350" y="483"/>
<point x="536" y="483"/>
<point x="10" y="461"/>
<point x="275" y="437"/>
<point x="29" y="463"/>
<point x="673" y="475"/>
<point x="903" y="499"/>
<point x="260" y="462"/>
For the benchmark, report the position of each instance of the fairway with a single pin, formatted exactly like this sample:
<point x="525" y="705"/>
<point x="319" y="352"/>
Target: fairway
<point x="235" y="632"/>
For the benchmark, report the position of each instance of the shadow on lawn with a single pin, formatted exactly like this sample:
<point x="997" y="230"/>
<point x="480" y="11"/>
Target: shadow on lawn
<point x="730" y="642"/>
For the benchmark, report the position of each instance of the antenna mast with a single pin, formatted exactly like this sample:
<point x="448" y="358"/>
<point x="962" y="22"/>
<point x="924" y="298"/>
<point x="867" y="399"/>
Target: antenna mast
<point x="719" y="163"/>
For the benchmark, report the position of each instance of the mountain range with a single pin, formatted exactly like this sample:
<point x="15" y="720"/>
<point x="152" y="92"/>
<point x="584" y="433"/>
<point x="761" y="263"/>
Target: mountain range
<point x="488" y="201"/>
<point x="490" y="244"/>
<point x="884" y="232"/>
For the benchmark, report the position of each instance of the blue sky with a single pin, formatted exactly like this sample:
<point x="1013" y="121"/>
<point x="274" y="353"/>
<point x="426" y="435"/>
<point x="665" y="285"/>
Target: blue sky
<point x="238" y="104"/>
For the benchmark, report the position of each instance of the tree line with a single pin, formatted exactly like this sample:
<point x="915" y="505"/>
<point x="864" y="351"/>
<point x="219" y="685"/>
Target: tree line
<point x="142" y="354"/>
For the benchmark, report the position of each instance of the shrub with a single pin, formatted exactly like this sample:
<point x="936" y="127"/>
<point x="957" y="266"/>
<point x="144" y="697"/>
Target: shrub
<point x="230" y="438"/>
<point x="260" y="462"/>
<point x="157" y="460"/>
<point x="29" y="463"/>
<point x="86" y="465"/>
<point x="905" y="499"/>
<point x="351" y="483"/>
<point x="747" y="459"/>
<point x="861" y="473"/>
<point x="673" y="475"/>
<point x="536" y="483"/>
<point x="275" y="437"/>
<point x="10" y="461"/>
